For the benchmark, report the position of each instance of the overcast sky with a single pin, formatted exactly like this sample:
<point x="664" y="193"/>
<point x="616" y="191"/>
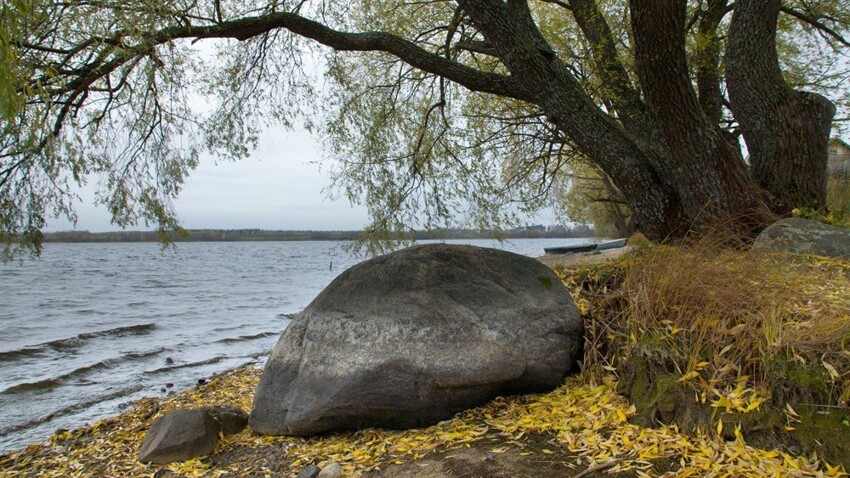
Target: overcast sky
<point x="278" y="187"/>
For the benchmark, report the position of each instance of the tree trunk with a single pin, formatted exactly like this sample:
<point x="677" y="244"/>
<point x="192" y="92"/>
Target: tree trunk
<point x="686" y="176"/>
<point x="509" y="27"/>
<point x="711" y="181"/>
<point x="786" y="131"/>
<point x="707" y="60"/>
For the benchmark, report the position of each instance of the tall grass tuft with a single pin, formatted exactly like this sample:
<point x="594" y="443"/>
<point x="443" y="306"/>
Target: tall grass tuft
<point x="723" y="316"/>
<point x="838" y="198"/>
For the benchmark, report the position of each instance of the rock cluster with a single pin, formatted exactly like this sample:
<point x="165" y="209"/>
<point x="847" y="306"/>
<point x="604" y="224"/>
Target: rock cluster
<point x="331" y="470"/>
<point x="803" y="236"/>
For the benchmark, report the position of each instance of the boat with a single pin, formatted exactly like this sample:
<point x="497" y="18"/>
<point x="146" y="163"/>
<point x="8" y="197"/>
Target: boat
<point x="611" y="244"/>
<point x="570" y="249"/>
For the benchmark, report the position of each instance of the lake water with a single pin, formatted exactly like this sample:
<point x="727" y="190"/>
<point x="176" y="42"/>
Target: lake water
<point x="88" y="328"/>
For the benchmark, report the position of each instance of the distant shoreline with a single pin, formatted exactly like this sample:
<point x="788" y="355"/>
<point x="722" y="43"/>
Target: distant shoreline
<point x="248" y="235"/>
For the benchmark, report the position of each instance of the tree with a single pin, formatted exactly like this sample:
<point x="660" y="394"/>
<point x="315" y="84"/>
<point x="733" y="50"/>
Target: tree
<point x="431" y="109"/>
<point x="589" y="197"/>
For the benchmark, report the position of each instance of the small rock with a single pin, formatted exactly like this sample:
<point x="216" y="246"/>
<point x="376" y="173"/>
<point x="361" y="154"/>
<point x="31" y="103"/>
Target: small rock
<point x="202" y="381"/>
<point x="231" y="420"/>
<point x="802" y="236"/>
<point x="179" y="436"/>
<point x="311" y="471"/>
<point x="332" y="470"/>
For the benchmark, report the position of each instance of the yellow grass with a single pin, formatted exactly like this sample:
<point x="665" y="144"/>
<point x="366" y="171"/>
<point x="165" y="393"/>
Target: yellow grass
<point x="720" y="314"/>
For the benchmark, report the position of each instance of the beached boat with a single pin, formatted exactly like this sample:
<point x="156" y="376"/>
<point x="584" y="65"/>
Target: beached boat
<point x="570" y="249"/>
<point x="611" y="244"/>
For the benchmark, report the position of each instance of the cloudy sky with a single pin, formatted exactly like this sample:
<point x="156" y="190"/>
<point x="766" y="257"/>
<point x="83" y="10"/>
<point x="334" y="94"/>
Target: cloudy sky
<point x="279" y="187"/>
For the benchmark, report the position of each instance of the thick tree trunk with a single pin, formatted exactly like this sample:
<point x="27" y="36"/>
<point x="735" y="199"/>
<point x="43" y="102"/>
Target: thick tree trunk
<point x="687" y="174"/>
<point x="786" y="131"/>
<point x="710" y="178"/>
<point x="510" y="28"/>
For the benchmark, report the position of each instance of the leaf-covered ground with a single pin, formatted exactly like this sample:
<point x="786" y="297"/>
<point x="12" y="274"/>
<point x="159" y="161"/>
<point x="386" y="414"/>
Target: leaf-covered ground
<point x="590" y="422"/>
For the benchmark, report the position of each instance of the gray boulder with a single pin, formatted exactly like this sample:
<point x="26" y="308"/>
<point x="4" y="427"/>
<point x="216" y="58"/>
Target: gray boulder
<point x="230" y="420"/>
<point x="179" y="436"/>
<point x="805" y="237"/>
<point x="331" y="470"/>
<point x="413" y="337"/>
<point x="311" y="471"/>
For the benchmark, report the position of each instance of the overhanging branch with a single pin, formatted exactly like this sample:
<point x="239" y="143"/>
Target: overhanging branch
<point x="815" y="23"/>
<point x="405" y="50"/>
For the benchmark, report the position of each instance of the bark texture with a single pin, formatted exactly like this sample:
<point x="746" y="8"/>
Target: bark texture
<point x="712" y="182"/>
<point x="786" y="131"/>
<point x="707" y="60"/>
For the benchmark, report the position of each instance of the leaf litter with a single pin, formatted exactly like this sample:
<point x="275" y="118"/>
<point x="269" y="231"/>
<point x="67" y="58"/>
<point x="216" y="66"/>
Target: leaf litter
<point x="590" y="420"/>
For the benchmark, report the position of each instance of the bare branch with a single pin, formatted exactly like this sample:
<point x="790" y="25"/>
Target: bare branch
<point x="405" y="50"/>
<point x="815" y="23"/>
<point x="477" y="47"/>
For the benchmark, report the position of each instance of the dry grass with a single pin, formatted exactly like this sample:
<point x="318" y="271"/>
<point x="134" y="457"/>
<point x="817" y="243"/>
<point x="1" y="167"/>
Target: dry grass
<point x="838" y="196"/>
<point x="722" y="317"/>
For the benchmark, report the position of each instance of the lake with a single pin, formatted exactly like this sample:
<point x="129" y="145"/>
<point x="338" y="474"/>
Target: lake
<point x="88" y="328"/>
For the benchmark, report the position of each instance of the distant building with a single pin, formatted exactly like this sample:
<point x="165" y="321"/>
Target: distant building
<point x="839" y="158"/>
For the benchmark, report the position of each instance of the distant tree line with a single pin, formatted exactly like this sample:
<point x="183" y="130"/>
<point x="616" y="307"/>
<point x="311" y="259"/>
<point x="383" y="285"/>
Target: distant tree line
<point x="229" y="235"/>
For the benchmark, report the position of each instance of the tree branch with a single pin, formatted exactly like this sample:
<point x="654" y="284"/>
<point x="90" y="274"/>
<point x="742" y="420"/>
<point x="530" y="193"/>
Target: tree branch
<point x="617" y="86"/>
<point x="477" y="47"/>
<point x="815" y="23"/>
<point x="405" y="50"/>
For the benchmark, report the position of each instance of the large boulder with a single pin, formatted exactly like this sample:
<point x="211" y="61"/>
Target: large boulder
<point x="179" y="436"/>
<point x="805" y="237"/>
<point x="413" y="337"/>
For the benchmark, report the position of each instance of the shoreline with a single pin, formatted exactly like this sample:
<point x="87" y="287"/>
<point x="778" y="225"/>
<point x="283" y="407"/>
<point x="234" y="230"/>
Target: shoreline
<point x="583" y="258"/>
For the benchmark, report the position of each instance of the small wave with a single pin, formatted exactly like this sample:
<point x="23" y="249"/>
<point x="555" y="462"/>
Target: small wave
<point x="20" y="353"/>
<point x="91" y="312"/>
<point x="138" y="329"/>
<point x="54" y="382"/>
<point x="216" y="359"/>
<point x="25" y="387"/>
<point x="243" y="338"/>
<point x="225" y="329"/>
<point x="4" y="431"/>
<point x="72" y="343"/>
<point x="146" y="353"/>
<point x="57" y="381"/>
